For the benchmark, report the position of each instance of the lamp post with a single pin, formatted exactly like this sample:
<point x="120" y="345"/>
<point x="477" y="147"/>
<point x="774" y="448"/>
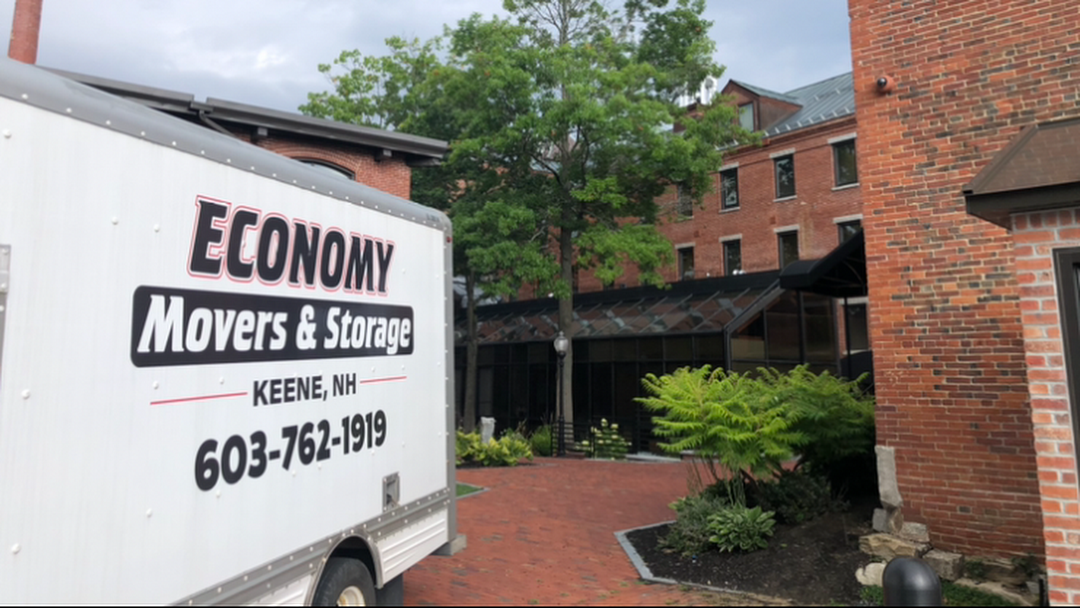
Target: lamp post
<point x="561" y="344"/>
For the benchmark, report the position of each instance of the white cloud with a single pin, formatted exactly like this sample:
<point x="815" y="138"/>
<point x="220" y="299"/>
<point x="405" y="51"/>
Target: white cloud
<point x="266" y="52"/>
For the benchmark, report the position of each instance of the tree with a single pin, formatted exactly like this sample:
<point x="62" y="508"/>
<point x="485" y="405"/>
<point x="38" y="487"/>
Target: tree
<point x="562" y="123"/>
<point x="497" y="241"/>
<point x="586" y="98"/>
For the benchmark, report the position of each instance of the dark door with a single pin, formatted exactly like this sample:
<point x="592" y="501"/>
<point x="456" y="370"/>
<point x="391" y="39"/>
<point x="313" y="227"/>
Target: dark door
<point x="1067" y="267"/>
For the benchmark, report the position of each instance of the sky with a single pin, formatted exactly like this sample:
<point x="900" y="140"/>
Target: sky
<point x="267" y="52"/>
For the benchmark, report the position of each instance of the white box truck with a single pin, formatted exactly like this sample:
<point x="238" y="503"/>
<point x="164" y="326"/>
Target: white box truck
<point x="224" y="377"/>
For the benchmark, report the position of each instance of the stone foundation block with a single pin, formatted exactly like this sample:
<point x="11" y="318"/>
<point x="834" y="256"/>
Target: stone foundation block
<point x="948" y="566"/>
<point x="888" y="546"/>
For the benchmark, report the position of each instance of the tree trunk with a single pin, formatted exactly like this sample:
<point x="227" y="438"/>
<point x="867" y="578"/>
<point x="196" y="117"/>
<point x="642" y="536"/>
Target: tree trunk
<point x="566" y="318"/>
<point x="468" y="421"/>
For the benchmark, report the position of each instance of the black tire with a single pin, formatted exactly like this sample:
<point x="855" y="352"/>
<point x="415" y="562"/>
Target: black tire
<point x="340" y="574"/>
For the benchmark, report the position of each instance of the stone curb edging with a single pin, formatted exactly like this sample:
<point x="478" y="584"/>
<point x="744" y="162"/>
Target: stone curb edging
<point x="473" y="493"/>
<point x="647" y="575"/>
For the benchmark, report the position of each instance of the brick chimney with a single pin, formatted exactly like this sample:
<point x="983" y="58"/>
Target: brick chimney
<point x="25" y="28"/>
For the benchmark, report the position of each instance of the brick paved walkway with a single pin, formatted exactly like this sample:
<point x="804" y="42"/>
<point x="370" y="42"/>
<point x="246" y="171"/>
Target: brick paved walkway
<point x="543" y="534"/>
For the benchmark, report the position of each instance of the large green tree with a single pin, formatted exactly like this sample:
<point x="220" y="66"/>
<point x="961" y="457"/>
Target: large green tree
<point x="565" y="130"/>
<point x="498" y="242"/>
<point x="586" y="98"/>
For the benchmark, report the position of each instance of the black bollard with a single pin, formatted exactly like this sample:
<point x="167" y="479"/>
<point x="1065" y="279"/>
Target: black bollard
<point x="911" y="582"/>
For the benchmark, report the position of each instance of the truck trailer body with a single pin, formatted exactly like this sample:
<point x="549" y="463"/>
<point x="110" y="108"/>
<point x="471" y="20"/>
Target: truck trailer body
<point x="225" y="377"/>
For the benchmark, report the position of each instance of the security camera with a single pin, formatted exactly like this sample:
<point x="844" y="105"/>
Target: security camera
<point x="885" y="84"/>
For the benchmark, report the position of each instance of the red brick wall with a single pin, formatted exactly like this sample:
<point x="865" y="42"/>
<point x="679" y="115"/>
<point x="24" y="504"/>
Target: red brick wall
<point x="948" y="349"/>
<point x="816" y="204"/>
<point x="391" y="175"/>
<point x="1036" y="236"/>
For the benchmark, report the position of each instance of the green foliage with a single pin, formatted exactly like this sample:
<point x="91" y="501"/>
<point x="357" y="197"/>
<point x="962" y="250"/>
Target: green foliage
<point x="951" y="593"/>
<point x="737" y="527"/>
<point x="690" y="533"/>
<point x="975" y="569"/>
<point x="541" y="441"/>
<point x="506" y="451"/>
<point x="729" y="417"/>
<point x="795" y="496"/>
<point x="606" y="442"/>
<point x="752" y="423"/>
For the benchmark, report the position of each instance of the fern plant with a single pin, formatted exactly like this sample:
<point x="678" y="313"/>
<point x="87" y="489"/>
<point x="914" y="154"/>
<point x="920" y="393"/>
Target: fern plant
<point x="752" y="423"/>
<point x="727" y="417"/>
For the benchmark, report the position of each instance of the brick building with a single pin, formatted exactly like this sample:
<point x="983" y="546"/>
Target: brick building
<point x="375" y="157"/>
<point x="775" y="209"/>
<point x="972" y="386"/>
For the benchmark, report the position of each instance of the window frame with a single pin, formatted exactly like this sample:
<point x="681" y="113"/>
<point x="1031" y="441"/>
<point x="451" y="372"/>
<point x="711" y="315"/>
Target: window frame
<point x="726" y="247"/>
<point x="684" y="201"/>
<point x="836" y="147"/>
<point x="753" y="115"/>
<point x="734" y="173"/>
<point x="681" y="267"/>
<point x="840" y="226"/>
<point x="776" y="175"/>
<point x="780" y="236"/>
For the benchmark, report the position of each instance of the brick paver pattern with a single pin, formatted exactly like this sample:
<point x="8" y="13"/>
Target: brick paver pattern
<point x="543" y="534"/>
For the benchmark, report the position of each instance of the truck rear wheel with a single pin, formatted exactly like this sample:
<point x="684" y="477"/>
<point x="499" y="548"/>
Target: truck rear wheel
<point x="345" y="582"/>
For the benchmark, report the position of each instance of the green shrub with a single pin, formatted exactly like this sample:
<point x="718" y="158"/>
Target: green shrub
<point x="606" y="442"/>
<point x="502" y="452"/>
<point x="742" y="528"/>
<point x="541" y="440"/>
<point x="752" y="423"/>
<point x="690" y="533"/>
<point x="795" y="497"/>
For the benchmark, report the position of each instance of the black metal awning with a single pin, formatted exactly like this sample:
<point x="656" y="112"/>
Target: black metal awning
<point x="840" y="274"/>
<point x="686" y="307"/>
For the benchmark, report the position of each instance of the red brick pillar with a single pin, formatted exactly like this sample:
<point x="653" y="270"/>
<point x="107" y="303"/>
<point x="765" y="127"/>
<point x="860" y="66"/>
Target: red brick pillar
<point x="25" y="28"/>
<point x="949" y="357"/>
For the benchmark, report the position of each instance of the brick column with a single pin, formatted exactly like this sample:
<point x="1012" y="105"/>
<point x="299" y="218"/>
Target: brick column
<point x="948" y="344"/>
<point x="25" y="28"/>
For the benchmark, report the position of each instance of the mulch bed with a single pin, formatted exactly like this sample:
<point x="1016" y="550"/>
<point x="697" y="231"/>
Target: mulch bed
<point x="813" y="563"/>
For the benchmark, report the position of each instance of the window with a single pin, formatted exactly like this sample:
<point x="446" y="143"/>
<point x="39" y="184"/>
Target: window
<point x="732" y="258"/>
<point x="785" y="176"/>
<point x="686" y="263"/>
<point x="729" y="189"/>
<point x="789" y="247"/>
<point x="746" y="116"/>
<point x="858" y="332"/>
<point x="849" y="229"/>
<point x="328" y="168"/>
<point x="685" y="203"/>
<point x="844" y="161"/>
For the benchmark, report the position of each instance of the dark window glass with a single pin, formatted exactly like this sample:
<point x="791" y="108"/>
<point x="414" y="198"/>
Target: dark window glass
<point x="789" y="247"/>
<point x="820" y="328"/>
<point x="485" y="355"/>
<point x="679" y="349"/>
<point x="686" y="263"/>
<point x="732" y="257"/>
<point x="624" y="350"/>
<point x="858" y="327"/>
<point x="627" y="386"/>
<point x="729" y="189"/>
<point x="749" y="341"/>
<point x="746" y="116"/>
<point x="785" y="176"/>
<point x="600" y="350"/>
<point x="652" y="349"/>
<point x="844" y="160"/>
<point x="849" y="229"/>
<point x="539" y="352"/>
<point x="685" y="201"/>
<point x="710" y="349"/>
<point x="782" y="328"/>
